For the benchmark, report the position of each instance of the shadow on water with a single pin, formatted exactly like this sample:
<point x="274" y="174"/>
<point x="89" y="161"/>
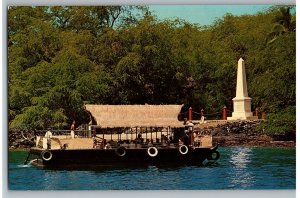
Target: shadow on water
<point x="136" y="167"/>
<point x="18" y="157"/>
<point x="211" y="164"/>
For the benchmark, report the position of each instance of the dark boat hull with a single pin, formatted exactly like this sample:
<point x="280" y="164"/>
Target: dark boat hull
<point x="110" y="157"/>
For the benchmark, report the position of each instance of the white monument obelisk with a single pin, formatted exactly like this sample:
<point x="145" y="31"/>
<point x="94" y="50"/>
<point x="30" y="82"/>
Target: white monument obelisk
<point x="241" y="102"/>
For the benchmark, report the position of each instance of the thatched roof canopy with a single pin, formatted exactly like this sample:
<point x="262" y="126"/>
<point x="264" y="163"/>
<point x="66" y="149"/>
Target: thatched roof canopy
<point x="135" y="115"/>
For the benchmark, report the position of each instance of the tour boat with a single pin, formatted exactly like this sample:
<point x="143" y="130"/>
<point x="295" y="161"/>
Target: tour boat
<point x="125" y="135"/>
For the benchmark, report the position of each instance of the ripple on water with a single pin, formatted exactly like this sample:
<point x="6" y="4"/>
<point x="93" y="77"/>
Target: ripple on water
<point x="238" y="168"/>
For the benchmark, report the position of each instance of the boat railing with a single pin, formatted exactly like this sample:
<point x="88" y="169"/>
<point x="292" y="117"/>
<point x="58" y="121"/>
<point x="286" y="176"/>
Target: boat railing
<point x="139" y="145"/>
<point x="77" y="133"/>
<point x="45" y="137"/>
<point x="113" y="139"/>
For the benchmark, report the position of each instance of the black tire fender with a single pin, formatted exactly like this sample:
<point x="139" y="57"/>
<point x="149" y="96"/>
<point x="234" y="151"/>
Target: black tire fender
<point x="212" y="157"/>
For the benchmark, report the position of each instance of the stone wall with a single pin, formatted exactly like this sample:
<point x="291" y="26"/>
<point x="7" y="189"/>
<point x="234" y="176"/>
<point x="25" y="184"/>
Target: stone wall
<point x="21" y="139"/>
<point x="242" y="133"/>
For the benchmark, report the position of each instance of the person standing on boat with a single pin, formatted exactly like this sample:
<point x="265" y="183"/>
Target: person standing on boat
<point x="72" y="129"/>
<point x="73" y="125"/>
<point x="185" y="138"/>
<point x="48" y="135"/>
<point x="190" y="133"/>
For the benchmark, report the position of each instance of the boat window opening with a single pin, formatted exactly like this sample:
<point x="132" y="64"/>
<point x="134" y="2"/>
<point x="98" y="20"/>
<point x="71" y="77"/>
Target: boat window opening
<point x="171" y="138"/>
<point x="161" y="136"/>
<point x="146" y="133"/>
<point x="136" y="136"/>
<point x="167" y="134"/>
<point x="111" y="135"/>
<point x="102" y="133"/>
<point x="156" y="129"/>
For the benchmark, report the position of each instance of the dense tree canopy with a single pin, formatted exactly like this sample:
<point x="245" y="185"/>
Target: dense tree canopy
<point x="63" y="57"/>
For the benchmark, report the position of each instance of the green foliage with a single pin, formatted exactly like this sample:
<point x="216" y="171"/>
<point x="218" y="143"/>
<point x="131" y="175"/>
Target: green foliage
<point x="284" y="22"/>
<point x="62" y="57"/>
<point x="281" y="123"/>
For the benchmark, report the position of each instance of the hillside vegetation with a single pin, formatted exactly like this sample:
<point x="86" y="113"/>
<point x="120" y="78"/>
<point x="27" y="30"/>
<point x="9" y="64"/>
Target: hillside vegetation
<point x="63" y="57"/>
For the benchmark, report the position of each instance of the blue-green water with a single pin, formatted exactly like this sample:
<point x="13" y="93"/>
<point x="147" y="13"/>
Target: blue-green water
<point x="238" y="168"/>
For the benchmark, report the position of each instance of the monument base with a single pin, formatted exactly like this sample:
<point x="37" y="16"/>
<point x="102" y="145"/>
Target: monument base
<point x="242" y="109"/>
<point x="243" y="118"/>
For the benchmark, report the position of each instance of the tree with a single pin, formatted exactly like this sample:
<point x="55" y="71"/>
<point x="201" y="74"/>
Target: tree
<point x="284" y="22"/>
<point x="63" y="57"/>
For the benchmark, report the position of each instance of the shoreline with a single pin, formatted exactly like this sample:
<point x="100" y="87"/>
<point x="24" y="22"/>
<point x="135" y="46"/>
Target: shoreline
<point x="244" y="140"/>
<point x="225" y="134"/>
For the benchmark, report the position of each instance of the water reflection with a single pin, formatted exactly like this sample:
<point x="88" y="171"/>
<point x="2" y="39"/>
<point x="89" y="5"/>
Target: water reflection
<point x="131" y="167"/>
<point x="240" y="157"/>
<point x="241" y="176"/>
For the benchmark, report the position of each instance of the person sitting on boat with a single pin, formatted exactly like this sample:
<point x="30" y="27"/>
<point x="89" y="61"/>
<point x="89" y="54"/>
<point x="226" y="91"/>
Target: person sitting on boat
<point x="139" y="139"/>
<point x="147" y="142"/>
<point x="171" y="140"/>
<point x="107" y="146"/>
<point x="150" y="142"/>
<point x="99" y="142"/>
<point x="164" y="139"/>
<point x="180" y="141"/>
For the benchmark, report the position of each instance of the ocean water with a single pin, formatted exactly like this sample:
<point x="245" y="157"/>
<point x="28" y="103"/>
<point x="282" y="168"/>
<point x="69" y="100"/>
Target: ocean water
<point x="238" y="168"/>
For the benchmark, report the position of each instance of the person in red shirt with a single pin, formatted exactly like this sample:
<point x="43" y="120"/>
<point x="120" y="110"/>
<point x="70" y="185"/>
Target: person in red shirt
<point x="73" y="125"/>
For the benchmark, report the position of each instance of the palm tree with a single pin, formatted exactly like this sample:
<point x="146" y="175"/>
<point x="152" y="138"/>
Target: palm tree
<point x="285" y="22"/>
